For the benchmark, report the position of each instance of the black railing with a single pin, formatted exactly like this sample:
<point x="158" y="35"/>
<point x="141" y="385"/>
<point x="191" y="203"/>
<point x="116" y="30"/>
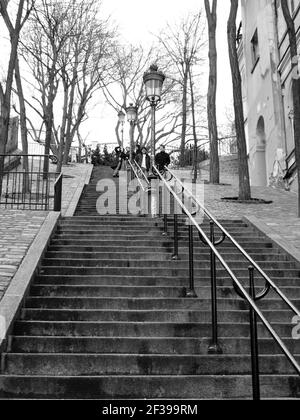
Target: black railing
<point x="58" y="193"/>
<point x="25" y="186"/>
<point x="251" y="298"/>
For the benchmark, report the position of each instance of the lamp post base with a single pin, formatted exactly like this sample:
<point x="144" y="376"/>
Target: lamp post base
<point x="191" y="294"/>
<point x="215" y="349"/>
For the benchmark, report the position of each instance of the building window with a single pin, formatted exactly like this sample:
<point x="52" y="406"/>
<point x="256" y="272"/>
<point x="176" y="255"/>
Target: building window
<point x="255" y="50"/>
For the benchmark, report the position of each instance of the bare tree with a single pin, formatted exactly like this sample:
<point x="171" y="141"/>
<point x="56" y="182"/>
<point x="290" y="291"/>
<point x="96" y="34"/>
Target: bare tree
<point x="211" y="13"/>
<point x="23" y="124"/>
<point x="296" y="84"/>
<point x="125" y="84"/>
<point x="49" y="29"/>
<point x="65" y="47"/>
<point x="91" y="63"/>
<point x="183" y="44"/>
<point x="23" y="11"/>
<point x="244" y="180"/>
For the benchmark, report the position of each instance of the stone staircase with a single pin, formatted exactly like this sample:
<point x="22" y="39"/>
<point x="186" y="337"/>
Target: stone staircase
<point x="106" y="318"/>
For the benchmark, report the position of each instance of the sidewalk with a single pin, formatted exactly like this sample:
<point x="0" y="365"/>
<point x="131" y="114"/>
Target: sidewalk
<point x="76" y="176"/>
<point x="280" y="217"/>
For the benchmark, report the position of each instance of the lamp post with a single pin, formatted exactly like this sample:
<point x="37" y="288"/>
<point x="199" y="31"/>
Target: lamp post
<point x="131" y="117"/>
<point x="153" y="80"/>
<point x="121" y="117"/>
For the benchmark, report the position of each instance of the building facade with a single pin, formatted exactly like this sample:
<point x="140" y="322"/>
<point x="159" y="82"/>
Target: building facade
<point x="265" y="65"/>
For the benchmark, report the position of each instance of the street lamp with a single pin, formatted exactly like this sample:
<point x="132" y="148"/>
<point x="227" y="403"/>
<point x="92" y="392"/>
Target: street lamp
<point x="153" y="80"/>
<point x="121" y="117"/>
<point x="131" y="117"/>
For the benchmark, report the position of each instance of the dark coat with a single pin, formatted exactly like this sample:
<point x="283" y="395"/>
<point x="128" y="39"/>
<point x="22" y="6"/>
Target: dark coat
<point x="162" y="159"/>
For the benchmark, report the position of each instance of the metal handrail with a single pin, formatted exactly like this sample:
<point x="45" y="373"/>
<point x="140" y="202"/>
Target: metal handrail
<point x="141" y="171"/>
<point x="250" y="299"/>
<point x="138" y="178"/>
<point x="242" y="251"/>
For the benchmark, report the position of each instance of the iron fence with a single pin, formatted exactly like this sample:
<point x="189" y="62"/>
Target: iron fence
<point x="24" y="185"/>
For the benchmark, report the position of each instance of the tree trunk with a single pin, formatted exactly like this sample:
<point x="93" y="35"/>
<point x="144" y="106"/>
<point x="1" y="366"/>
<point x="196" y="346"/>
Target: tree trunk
<point x="295" y="87"/>
<point x="69" y="136"/>
<point x="212" y="93"/>
<point x="195" y="176"/>
<point x="244" y="180"/>
<point x="6" y="105"/>
<point x="48" y="140"/>
<point x="63" y="129"/>
<point x="119" y="140"/>
<point x="23" y="123"/>
<point x="184" y="115"/>
<point x="4" y="126"/>
<point x="5" y="110"/>
<point x="48" y="118"/>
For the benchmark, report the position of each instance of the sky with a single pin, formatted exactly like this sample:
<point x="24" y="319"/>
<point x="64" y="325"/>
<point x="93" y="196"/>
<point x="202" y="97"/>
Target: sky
<point x="138" y="21"/>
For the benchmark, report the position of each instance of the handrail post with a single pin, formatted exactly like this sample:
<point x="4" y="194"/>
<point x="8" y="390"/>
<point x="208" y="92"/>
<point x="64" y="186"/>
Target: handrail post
<point x="175" y="256"/>
<point x="214" y="347"/>
<point x="165" y="225"/>
<point x="58" y="194"/>
<point x="254" y="341"/>
<point x="165" y="209"/>
<point x="191" y="292"/>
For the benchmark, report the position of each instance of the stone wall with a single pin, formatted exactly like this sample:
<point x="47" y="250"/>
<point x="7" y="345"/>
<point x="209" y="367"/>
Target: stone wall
<point x="229" y="165"/>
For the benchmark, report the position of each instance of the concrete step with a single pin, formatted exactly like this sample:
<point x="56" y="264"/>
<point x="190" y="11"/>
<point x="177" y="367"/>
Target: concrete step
<point x="143" y="329"/>
<point x="147" y="281"/>
<point x="147" y="387"/>
<point x="156" y="271"/>
<point x="72" y="254"/>
<point x="139" y="229"/>
<point x="132" y="234"/>
<point x="166" y="263"/>
<point x="203" y="292"/>
<point x="201" y="252"/>
<point x="131" y="365"/>
<point x="148" y="303"/>
<point x="146" y="316"/>
<point x="89" y="250"/>
<point x="107" y="291"/>
<point x="247" y="244"/>
<point x="141" y="223"/>
<point x="108" y="220"/>
<point x="129" y="345"/>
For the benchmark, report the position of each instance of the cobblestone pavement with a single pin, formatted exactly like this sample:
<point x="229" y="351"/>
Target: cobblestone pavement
<point x="17" y="232"/>
<point x="19" y="228"/>
<point x="280" y="216"/>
